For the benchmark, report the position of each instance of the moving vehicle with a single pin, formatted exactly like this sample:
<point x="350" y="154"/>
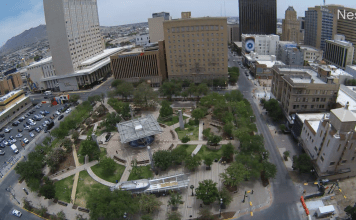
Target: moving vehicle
<point x="14" y="148"/>
<point x="16" y="213"/>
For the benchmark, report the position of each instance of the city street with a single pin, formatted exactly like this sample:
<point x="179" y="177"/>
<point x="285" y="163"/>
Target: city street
<point x="285" y="196"/>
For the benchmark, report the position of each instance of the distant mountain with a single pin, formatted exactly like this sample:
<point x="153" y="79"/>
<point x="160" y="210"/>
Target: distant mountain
<point x="24" y="39"/>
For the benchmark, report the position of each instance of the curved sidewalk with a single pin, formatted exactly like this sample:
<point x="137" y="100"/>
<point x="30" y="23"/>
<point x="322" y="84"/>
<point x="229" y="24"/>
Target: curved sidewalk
<point x="99" y="180"/>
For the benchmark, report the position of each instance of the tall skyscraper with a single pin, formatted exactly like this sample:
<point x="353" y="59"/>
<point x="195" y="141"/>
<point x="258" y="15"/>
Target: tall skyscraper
<point x="291" y="26"/>
<point x="320" y="25"/>
<point x="73" y="32"/>
<point x="257" y="17"/>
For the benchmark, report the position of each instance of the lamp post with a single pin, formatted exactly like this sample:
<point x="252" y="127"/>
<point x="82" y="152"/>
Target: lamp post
<point x="192" y="187"/>
<point x="221" y="202"/>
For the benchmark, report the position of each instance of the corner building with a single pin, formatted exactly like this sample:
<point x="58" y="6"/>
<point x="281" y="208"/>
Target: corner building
<point x="196" y="48"/>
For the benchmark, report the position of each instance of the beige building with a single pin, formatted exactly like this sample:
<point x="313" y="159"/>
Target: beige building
<point x="291" y="27"/>
<point x="312" y="53"/>
<point x="196" y="48"/>
<point x="232" y="32"/>
<point x="330" y="143"/>
<point x="155" y="25"/>
<point x="300" y="90"/>
<point x="13" y="104"/>
<point x="148" y="65"/>
<point x="10" y="82"/>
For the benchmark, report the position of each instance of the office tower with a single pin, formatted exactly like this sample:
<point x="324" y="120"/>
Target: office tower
<point x="344" y="26"/>
<point x="339" y="52"/>
<point x="320" y="25"/>
<point x="291" y="26"/>
<point x="196" y="48"/>
<point x="232" y="32"/>
<point x="155" y="26"/>
<point x="257" y="16"/>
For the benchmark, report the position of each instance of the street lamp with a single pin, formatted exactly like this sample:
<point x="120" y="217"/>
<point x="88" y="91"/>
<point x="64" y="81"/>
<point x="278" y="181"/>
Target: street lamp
<point x="192" y="187"/>
<point x="221" y="202"/>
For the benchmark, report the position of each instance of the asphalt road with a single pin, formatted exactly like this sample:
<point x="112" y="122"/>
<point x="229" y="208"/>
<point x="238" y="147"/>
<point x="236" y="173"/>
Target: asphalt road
<point x="284" y="206"/>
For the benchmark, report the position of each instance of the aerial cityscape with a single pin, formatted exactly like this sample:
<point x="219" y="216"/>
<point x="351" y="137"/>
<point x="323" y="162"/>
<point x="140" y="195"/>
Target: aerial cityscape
<point x="170" y="110"/>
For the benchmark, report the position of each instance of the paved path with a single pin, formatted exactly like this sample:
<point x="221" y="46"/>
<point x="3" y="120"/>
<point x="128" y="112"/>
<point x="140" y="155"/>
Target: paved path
<point x="99" y="180"/>
<point x="76" y="170"/>
<point x="196" y="150"/>
<point x="110" y="109"/>
<point x="205" y="142"/>
<point x="201" y="130"/>
<point x="76" y="177"/>
<point x="82" y="137"/>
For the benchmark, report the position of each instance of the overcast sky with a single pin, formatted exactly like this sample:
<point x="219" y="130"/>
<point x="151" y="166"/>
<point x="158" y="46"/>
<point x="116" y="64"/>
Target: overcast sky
<point x="19" y="15"/>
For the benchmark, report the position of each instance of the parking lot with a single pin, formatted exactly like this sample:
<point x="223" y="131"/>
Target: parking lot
<point x="10" y="156"/>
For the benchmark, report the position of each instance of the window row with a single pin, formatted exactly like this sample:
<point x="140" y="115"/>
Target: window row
<point x="195" y="28"/>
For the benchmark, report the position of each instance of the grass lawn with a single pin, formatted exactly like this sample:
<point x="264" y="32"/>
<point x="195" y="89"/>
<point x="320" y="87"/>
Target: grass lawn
<point x="64" y="188"/>
<point x="81" y="157"/>
<point x="173" y="120"/>
<point x="204" y="151"/>
<point x="98" y="170"/>
<point x="146" y="173"/>
<point x="188" y="148"/>
<point x="85" y="185"/>
<point x="188" y="129"/>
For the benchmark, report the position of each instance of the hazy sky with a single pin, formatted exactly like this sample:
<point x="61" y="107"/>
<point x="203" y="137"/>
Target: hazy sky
<point x="19" y="15"/>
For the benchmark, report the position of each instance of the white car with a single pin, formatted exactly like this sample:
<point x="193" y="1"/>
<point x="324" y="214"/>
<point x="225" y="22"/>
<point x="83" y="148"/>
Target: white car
<point x="68" y="110"/>
<point x="18" y="135"/>
<point x="32" y="135"/>
<point x="13" y="140"/>
<point x="16" y="213"/>
<point x="25" y="140"/>
<point x="27" y="128"/>
<point x="57" y="113"/>
<point x="7" y="130"/>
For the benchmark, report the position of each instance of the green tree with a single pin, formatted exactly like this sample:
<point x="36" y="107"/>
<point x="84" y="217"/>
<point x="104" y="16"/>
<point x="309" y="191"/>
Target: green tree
<point x="199" y="113"/>
<point x="42" y="210"/>
<point x="214" y="139"/>
<point x="88" y="147"/>
<point x="109" y="123"/>
<point x="104" y="204"/>
<point x="233" y="78"/>
<point x="225" y="195"/>
<point x="184" y="94"/>
<point x="166" y="109"/>
<point x="61" y="215"/>
<point x="302" y="163"/>
<point x="162" y="159"/>
<point x="269" y="170"/>
<point x="48" y="190"/>
<point x="116" y="82"/>
<point x="111" y="94"/>
<point x="125" y="89"/>
<point x="175" y="199"/>
<point x="146" y="217"/>
<point x="207" y="191"/>
<point x="178" y="155"/>
<point x="54" y="157"/>
<point x="192" y="162"/>
<point x="145" y="96"/>
<point x="74" y="98"/>
<point x="252" y="163"/>
<point x="170" y="88"/>
<point x="235" y="174"/>
<point x="75" y="135"/>
<point x="273" y="109"/>
<point x="174" y="216"/>
<point x="205" y="214"/>
<point x="202" y="89"/>
<point x="351" y="211"/>
<point x="208" y="160"/>
<point x="206" y="132"/>
<point x="148" y="203"/>
<point x="228" y="127"/>
<point x="227" y="151"/>
<point x="67" y="143"/>
<point x="108" y="165"/>
<point x="185" y="139"/>
<point x="192" y="89"/>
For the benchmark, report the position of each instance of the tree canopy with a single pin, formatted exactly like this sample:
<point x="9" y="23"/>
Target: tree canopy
<point x="162" y="159"/>
<point x="144" y="95"/>
<point x="207" y="191"/>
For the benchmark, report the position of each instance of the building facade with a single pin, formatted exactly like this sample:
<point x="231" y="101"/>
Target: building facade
<point x="257" y="17"/>
<point x="196" y="48"/>
<point x="142" y="39"/>
<point x="312" y="53"/>
<point x="339" y="53"/>
<point x="10" y="82"/>
<point x="351" y="70"/>
<point x="330" y="143"/>
<point x="290" y="54"/>
<point x="155" y="25"/>
<point x="148" y="65"/>
<point x="291" y="27"/>
<point x="300" y="90"/>
<point x="260" y="66"/>
<point x="261" y="44"/>
<point x="13" y="104"/>
<point x="232" y="32"/>
<point x="320" y="25"/>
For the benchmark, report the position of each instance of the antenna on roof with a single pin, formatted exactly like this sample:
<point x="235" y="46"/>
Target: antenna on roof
<point x="324" y="2"/>
<point x="225" y="8"/>
<point x="221" y="10"/>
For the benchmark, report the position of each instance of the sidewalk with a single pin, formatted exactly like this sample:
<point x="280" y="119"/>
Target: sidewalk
<point x="76" y="170"/>
<point x="110" y="109"/>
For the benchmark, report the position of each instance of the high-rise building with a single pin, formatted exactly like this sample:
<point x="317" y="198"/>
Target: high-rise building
<point x="291" y="26"/>
<point x="232" y="32"/>
<point x="320" y="25"/>
<point x="155" y="26"/>
<point x="76" y="44"/>
<point x="339" y="52"/>
<point x="345" y="26"/>
<point x="257" y="17"/>
<point x="196" y="48"/>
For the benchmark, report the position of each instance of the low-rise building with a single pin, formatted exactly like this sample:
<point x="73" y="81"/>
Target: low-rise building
<point x="10" y="82"/>
<point x="13" y="104"/>
<point x="301" y="90"/>
<point x="312" y="53"/>
<point x="330" y="143"/>
<point x="261" y="44"/>
<point x="142" y="39"/>
<point x="339" y="52"/>
<point x="148" y="64"/>
<point x="290" y="53"/>
<point x="261" y="65"/>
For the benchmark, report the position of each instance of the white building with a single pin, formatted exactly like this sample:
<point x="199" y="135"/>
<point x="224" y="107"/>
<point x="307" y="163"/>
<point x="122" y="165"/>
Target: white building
<point x="261" y="44"/>
<point x="330" y="142"/>
<point x="74" y="38"/>
<point x="312" y="53"/>
<point x="142" y="39"/>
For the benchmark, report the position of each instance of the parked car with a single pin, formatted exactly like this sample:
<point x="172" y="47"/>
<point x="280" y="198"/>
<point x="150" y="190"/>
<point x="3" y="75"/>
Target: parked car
<point x="21" y="120"/>
<point x="2" y="152"/>
<point x="2" y="145"/>
<point x="60" y="117"/>
<point x="19" y="135"/>
<point x="7" y="130"/>
<point x="32" y="135"/>
<point x="46" y="112"/>
<point x="38" y="130"/>
<point x="2" y="135"/>
<point x="19" y="130"/>
<point x="31" y="129"/>
<point x="15" y="123"/>
<point x="68" y="111"/>
<point x="44" y="124"/>
<point x="16" y="213"/>
<point x="27" y="128"/>
<point x="25" y="140"/>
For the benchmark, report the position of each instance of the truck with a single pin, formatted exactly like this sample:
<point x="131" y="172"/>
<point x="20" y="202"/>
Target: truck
<point x="14" y="148"/>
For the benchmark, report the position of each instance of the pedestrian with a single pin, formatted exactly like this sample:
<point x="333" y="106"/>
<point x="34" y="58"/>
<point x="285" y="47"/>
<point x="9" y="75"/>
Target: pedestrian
<point x="275" y="131"/>
<point x="117" y="152"/>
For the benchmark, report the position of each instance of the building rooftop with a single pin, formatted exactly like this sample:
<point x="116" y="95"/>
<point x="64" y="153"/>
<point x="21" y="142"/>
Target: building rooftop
<point x="310" y="48"/>
<point x="341" y="42"/>
<point x="352" y="67"/>
<point x="10" y="94"/>
<point x="41" y="62"/>
<point x="270" y="64"/>
<point x="105" y="54"/>
<point x="343" y="114"/>
<point x="311" y="116"/>
<point x="347" y="94"/>
<point x="9" y="108"/>
<point x="307" y="77"/>
<point x="314" y="125"/>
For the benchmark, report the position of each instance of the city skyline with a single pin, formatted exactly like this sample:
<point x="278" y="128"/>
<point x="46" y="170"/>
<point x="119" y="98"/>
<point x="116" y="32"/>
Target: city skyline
<point x="19" y="15"/>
